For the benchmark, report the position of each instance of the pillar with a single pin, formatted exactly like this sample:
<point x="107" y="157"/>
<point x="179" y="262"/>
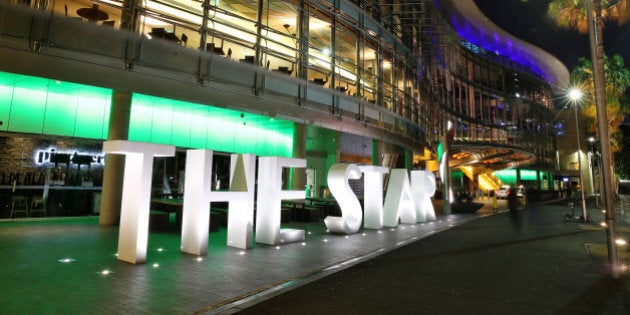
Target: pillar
<point x="113" y="172"/>
<point x="298" y="176"/>
<point x="384" y="154"/>
<point x="376" y="160"/>
<point x="408" y="159"/>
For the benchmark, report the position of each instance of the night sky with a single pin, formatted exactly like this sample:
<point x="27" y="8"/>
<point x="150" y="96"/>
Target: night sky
<point x="528" y="20"/>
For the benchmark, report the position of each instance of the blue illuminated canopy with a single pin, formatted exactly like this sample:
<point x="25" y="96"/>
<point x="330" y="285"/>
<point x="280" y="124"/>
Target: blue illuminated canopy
<point x="473" y="26"/>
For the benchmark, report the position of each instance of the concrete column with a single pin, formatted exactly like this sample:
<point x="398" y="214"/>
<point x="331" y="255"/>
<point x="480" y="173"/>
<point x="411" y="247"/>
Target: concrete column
<point x="384" y="154"/>
<point x="298" y="176"/>
<point x="115" y="164"/>
<point x="376" y="159"/>
<point x="408" y="159"/>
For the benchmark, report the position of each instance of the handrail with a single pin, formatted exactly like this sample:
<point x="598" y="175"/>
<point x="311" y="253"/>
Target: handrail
<point x="120" y="50"/>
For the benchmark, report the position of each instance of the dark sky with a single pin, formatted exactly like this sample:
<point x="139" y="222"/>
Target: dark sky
<point x="528" y="20"/>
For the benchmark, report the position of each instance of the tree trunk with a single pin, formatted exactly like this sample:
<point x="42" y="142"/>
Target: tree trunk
<point x="597" y="54"/>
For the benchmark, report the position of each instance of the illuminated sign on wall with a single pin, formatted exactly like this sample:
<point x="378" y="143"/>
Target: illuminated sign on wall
<point x="407" y="199"/>
<point x="53" y="155"/>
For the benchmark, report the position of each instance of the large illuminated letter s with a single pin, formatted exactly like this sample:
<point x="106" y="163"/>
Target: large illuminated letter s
<point x="351" y="216"/>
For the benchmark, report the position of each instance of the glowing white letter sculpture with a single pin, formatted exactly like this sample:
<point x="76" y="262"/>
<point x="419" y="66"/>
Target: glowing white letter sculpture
<point x="399" y="202"/>
<point x="198" y="195"/>
<point x="196" y="209"/>
<point x="270" y="195"/>
<point x="351" y="216"/>
<point x="136" y="195"/>
<point x="423" y="188"/>
<point x="241" y="208"/>
<point x="373" y="196"/>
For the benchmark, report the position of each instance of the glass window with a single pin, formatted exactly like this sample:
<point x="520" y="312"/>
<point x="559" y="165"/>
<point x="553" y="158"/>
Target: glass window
<point x="319" y="49"/>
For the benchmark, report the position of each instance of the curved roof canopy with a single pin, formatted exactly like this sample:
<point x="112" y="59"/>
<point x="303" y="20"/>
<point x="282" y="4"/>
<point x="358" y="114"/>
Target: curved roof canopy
<point x="472" y="25"/>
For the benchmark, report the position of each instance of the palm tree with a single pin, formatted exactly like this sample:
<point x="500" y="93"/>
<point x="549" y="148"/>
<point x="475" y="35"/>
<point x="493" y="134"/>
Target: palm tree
<point x="617" y="78"/>
<point x="571" y="14"/>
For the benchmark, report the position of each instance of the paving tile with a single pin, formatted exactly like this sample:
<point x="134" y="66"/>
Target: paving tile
<point x="41" y="284"/>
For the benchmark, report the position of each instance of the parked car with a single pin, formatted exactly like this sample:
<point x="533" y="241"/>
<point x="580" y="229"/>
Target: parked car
<point x="502" y="192"/>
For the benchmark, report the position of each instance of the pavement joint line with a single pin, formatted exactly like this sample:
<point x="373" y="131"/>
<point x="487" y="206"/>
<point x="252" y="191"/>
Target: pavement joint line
<point x="586" y="248"/>
<point x="264" y="293"/>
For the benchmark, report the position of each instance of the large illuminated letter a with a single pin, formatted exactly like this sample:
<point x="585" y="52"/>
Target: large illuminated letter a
<point x="399" y="200"/>
<point x="351" y="217"/>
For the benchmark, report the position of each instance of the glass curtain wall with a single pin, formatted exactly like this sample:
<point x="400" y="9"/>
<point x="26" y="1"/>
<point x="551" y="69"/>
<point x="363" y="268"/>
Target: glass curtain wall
<point x="342" y="53"/>
<point x="490" y="103"/>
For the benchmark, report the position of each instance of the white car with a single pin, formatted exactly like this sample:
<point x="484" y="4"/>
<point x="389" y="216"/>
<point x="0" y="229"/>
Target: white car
<point x="502" y="193"/>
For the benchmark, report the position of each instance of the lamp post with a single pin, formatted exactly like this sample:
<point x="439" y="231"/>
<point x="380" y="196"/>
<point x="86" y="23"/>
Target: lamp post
<point x="576" y="96"/>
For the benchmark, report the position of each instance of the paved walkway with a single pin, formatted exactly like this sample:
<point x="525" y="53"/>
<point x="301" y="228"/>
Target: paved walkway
<point x="536" y="263"/>
<point x="68" y="266"/>
<point x="56" y="265"/>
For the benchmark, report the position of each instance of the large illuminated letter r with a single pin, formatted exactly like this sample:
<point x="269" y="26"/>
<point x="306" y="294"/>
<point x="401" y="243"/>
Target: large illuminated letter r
<point x="423" y="188"/>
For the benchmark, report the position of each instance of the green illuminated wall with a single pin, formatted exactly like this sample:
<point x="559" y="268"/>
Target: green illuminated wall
<point x="166" y="121"/>
<point x="509" y="176"/>
<point x="44" y="106"/>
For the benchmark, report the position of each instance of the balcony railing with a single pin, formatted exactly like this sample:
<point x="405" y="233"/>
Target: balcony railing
<point x="96" y="47"/>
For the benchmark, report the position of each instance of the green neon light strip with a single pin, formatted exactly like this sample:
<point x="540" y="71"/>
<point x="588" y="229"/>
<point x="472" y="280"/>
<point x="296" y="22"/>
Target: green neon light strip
<point x="509" y="176"/>
<point x="184" y="124"/>
<point x="44" y="106"/>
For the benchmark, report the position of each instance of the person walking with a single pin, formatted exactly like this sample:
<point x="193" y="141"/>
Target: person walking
<point x="494" y="201"/>
<point x="513" y="206"/>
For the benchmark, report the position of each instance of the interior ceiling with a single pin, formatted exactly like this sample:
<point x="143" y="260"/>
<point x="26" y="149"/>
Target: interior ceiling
<point x="488" y="157"/>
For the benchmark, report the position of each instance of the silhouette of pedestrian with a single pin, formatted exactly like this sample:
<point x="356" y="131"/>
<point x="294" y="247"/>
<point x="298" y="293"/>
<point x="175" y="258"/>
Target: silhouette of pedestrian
<point x="513" y="206"/>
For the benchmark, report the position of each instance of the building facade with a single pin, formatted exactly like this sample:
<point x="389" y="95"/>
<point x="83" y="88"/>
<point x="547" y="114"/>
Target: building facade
<point x="329" y="81"/>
